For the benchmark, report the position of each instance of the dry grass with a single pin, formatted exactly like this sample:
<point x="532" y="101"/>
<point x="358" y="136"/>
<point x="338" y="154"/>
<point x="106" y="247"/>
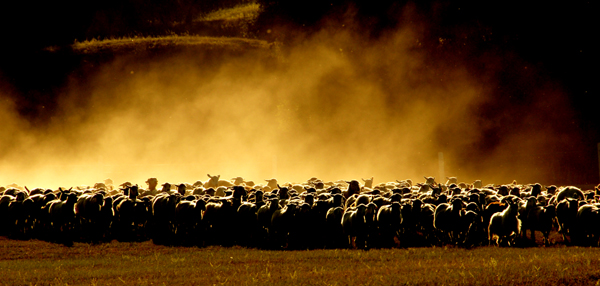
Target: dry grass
<point x="116" y="263"/>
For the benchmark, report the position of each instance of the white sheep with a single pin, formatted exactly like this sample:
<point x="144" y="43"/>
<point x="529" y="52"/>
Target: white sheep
<point x="368" y="183"/>
<point x="272" y="184"/>
<point x="213" y="182"/>
<point x="451" y="180"/>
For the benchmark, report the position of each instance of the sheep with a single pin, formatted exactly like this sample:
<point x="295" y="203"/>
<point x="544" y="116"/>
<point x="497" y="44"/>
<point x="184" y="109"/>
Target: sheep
<point x="566" y="215"/>
<point x="181" y="189"/>
<point x="586" y="231"/>
<point x="451" y="180"/>
<point x="62" y="217"/>
<point x="272" y="183"/>
<point x="355" y="226"/>
<point x="5" y="201"/>
<point x="218" y="218"/>
<point x="301" y="233"/>
<point x="259" y="199"/>
<point x="234" y="200"/>
<point x="389" y="222"/>
<point x="88" y="211"/>
<point x="162" y="226"/>
<point x="335" y="233"/>
<point x="187" y="220"/>
<point x="32" y="206"/>
<point x="238" y="181"/>
<point x="282" y="222"/>
<point x="356" y="200"/>
<point x="151" y="190"/>
<point x="551" y="189"/>
<point x="536" y="190"/>
<point x="429" y="180"/>
<point x="243" y="215"/>
<point x="368" y="183"/>
<point x="298" y="188"/>
<point x="404" y="184"/>
<point x="15" y="214"/>
<point x="248" y="223"/>
<point x="423" y="188"/>
<point x="540" y="218"/>
<point x="446" y="220"/>
<point x="353" y="188"/>
<point x="36" y="191"/>
<point x="166" y="188"/>
<point x="424" y="214"/>
<point x="264" y="216"/>
<point x="132" y="214"/>
<point x="106" y="218"/>
<point x="505" y="226"/>
<point x="220" y="191"/>
<point x="570" y="192"/>
<point x="471" y="224"/>
<point x="213" y="181"/>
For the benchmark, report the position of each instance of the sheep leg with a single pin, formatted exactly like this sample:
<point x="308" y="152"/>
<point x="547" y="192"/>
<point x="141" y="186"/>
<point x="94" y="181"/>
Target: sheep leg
<point x="546" y="238"/>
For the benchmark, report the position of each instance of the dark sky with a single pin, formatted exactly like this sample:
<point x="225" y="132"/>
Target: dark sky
<point x="554" y="38"/>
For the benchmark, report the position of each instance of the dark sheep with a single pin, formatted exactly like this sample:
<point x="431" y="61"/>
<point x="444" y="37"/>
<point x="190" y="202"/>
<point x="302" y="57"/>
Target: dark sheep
<point x="505" y="226"/>
<point x="389" y="222"/>
<point x="566" y="215"/>
<point x="447" y="219"/>
<point x="187" y="220"/>
<point x="62" y="217"/>
<point x="586" y="231"/>
<point x="88" y="209"/>
<point x="355" y="226"/>
<point x="282" y="222"/>
<point x="570" y="192"/>
<point x="335" y="237"/>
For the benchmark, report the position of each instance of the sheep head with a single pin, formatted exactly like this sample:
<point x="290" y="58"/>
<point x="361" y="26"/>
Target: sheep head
<point x="451" y="180"/>
<point x="166" y="187"/>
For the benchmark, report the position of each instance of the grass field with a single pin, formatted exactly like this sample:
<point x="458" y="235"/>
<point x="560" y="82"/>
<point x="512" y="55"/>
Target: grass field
<point x="122" y="263"/>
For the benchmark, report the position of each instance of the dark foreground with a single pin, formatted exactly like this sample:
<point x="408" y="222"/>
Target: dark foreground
<point x="36" y="262"/>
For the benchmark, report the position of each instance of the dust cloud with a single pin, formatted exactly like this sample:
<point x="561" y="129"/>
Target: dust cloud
<point x="333" y="105"/>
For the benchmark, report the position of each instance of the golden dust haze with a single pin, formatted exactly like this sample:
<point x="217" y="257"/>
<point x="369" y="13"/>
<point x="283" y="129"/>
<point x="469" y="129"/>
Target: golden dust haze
<point x="332" y="105"/>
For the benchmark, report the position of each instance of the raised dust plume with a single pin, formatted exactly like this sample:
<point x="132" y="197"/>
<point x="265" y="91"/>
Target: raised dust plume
<point x="334" y="105"/>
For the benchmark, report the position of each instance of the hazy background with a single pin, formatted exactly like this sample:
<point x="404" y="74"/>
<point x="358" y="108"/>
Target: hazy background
<point x="349" y="92"/>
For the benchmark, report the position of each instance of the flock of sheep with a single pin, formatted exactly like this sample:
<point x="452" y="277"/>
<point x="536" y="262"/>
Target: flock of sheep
<point x="309" y="215"/>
